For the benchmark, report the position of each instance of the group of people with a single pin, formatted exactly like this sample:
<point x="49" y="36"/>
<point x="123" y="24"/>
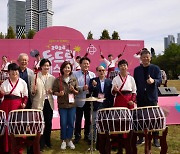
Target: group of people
<point x="26" y="89"/>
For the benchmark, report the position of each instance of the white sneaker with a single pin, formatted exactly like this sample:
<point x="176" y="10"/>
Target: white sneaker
<point x="71" y="145"/>
<point x="63" y="145"/>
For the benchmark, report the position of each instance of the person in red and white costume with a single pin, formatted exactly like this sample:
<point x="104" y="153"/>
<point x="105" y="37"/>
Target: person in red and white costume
<point x="110" y="62"/>
<point x="4" y="69"/>
<point x="124" y="87"/>
<point x="37" y="63"/>
<point x="15" y="93"/>
<point x="5" y="63"/>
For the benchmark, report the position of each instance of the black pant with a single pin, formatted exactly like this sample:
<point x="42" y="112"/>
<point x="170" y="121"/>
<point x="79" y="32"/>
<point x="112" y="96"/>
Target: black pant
<point x="79" y="114"/>
<point x="48" y="114"/>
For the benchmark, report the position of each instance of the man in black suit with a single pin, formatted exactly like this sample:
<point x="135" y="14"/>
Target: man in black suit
<point x="100" y="87"/>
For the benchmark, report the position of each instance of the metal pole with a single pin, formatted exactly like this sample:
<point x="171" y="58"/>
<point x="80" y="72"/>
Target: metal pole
<point x="92" y="132"/>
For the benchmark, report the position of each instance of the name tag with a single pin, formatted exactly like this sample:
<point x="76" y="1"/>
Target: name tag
<point x="71" y="98"/>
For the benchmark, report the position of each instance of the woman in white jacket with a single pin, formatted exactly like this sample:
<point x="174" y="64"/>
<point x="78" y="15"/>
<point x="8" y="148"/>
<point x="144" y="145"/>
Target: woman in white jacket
<point x="43" y="99"/>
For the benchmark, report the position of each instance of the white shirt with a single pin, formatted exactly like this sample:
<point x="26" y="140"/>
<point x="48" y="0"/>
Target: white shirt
<point x="37" y="64"/>
<point x="128" y="86"/>
<point x="75" y="64"/>
<point x="102" y="85"/>
<point x="112" y="63"/>
<point x="20" y="90"/>
<point x="5" y="66"/>
<point x="80" y="78"/>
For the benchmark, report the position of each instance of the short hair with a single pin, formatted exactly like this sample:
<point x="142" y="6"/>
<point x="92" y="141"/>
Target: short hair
<point x="4" y="56"/>
<point x="123" y="61"/>
<point x="63" y="65"/>
<point x="13" y="66"/>
<point x="23" y="54"/>
<point x="110" y="55"/>
<point x="144" y="51"/>
<point x="78" y="57"/>
<point x="97" y="68"/>
<point x="37" y="54"/>
<point x="43" y="61"/>
<point x="84" y="58"/>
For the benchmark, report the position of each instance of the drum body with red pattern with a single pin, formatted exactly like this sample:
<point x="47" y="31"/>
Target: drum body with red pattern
<point x="25" y="122"/>
<point x="151" y="118"/>
<point x="114" y="120"/>
<point x="2" y="122"/>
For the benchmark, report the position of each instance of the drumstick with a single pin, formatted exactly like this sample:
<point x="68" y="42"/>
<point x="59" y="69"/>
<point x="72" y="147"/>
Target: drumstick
<point x="69" y="47"/>
<point x="123" y="50"/>
<point x="100" y="50"/>
<point x="35" y="78"/>
<point x="60" y="82"/>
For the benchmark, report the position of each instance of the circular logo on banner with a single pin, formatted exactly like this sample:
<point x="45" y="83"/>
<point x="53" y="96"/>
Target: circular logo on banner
<point x="91" y="49"/>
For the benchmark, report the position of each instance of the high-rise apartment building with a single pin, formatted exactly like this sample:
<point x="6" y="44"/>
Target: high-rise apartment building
<point x="168" y="40"/>
<point x="178" y="38"/>
<point x="16" y="16"/>
<point x="38" y="14"/>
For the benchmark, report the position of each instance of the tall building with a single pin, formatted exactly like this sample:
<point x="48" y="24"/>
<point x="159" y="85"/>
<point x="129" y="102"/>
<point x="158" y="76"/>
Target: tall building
<point x="38" y="14"/>
<point x="168" y="40"/>
<point x="178" y="38"/>
<point x="16" y="16"/>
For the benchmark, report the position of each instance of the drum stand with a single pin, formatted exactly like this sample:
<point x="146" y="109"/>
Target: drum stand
<point x="148" y="137"/>
<point x="92" y="131"/>
<point x="25" y="142"/>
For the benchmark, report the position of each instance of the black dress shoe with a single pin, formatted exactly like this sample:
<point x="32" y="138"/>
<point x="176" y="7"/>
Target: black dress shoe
<point x="42" y="149"/>
<point x="156" y="143"/>
<point x="140" y="141"/>
<point x="76" y="140"/>
<point x="49" y="145"/>
<point x="86" y="138"/>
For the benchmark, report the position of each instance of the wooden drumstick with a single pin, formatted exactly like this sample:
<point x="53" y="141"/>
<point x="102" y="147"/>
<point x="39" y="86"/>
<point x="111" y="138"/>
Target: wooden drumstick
<point x="100" y="50"/>
<point x="36" y="78"/>
<point x="123" y="50"/>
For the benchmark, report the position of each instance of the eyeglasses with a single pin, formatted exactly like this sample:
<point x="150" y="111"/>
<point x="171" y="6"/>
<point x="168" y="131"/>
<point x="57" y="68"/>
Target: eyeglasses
<point x="101" y="70"/>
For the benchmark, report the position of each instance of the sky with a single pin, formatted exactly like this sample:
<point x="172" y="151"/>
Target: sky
<point x="148" y="20"/>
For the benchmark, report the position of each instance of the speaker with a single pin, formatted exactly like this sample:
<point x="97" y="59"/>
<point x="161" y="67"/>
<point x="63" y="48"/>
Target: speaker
<point x="167" y="91"/>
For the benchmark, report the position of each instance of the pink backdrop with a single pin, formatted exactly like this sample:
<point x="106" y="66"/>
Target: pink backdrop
<point x="171" y="104"/>
<point x="55" y="43"/>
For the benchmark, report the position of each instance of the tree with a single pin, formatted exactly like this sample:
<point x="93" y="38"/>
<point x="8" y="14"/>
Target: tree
<point x="23" y="36"/>
<point x="115" y="36"/>
<point x="31" y="34"/>
<point x="1" y="36"/>
<point x="90" y="36"/>
<point x="169" y="61"/>
<point x="10" y="33"/>
<point x="105" y="35"/>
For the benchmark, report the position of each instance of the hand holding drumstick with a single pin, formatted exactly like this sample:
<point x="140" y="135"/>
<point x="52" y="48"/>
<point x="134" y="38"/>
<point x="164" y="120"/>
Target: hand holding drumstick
<point x="116" y="89"/>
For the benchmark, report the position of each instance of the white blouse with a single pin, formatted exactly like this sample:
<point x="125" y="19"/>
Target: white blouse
<point x="112" y="63"/>
<point x="20" y="90"/>
<point x="128" y="86"/>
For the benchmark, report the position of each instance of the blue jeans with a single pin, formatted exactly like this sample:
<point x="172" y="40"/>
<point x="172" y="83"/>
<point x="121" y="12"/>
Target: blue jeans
<point x="67" y="118"/>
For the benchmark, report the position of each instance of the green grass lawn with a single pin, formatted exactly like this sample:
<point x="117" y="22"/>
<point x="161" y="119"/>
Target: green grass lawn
<point x="173" y="140"/>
